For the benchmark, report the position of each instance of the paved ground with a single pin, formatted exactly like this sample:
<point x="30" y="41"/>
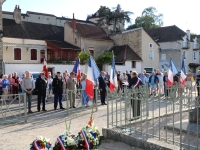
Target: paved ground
<point x="52" y="123"/>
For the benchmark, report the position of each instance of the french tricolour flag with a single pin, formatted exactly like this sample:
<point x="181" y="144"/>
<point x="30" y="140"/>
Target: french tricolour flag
<point x="92" y="76"/>
<point x="45" y="67"/>
<point x="183" y="74"/>
<point x="172" y="71"/>
<point x="77" y="69"/>
<point x="113" y="76"/>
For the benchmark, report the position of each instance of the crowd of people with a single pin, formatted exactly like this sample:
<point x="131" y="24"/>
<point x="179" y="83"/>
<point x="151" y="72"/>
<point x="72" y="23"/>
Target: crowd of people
<point x="11" y="85"/>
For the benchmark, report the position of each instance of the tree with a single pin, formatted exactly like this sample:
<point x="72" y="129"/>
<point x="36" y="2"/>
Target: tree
<point x="148" y="20"/>
<point x="114" y="17"/>
<point x="84" y="57"/>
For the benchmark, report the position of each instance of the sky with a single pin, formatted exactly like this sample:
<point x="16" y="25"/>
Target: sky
<point x="181" y="13"/>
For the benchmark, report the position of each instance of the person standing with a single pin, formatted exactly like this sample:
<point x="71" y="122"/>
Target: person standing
<point x="85" y="97"/>
<point x="41" y="85"/>
<point x="28" y="86"/>
<point x="5" y="84"/>
<point x="15" y="85"/>
<point x="71" y="85"/>
<point x="165" y="78"/>
<point x="65" y="79"/>
<point x="160" y="83"/>
<point x="102" y="88"/>
<point x="49" y="81"/>
<point x="153" y="81"/>
<point x="197" y="82"/>
<point x="189" y="81"/>
<point x="135" y="103"/>
<point x="58" y="90"/>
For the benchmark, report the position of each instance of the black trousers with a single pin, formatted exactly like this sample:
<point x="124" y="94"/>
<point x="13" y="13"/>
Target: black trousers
<point x="41" y="97"/>
<point x="103" y="95"/>
<point x="15" y="91"/>
<point x="135" y="103"/>
<point x="198" y="90"/>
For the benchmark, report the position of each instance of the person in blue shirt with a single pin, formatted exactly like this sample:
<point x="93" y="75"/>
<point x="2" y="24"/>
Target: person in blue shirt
<point x="85" y="98"/>
<point x="5" y="85"/>
<point x="153" y="81"/>
<point x="143" y="78"/>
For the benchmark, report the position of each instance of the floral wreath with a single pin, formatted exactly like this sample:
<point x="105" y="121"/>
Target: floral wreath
<point x="40" y="143"/>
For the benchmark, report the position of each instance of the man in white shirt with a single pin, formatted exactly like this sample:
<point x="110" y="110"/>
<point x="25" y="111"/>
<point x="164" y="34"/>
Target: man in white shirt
<point x="160" y="83"/>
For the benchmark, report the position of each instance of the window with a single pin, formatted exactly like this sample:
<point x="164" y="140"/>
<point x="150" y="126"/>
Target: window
<point x="38" y="17"/>
<point x="163" y="57"/>
<point x="184" y="54"/>
<point x="149" y="70"/>
<point x="151" y="54"/>
<point x="47" y="18"/>
<point x="33" y="54"/>
<point x="17" y="54"/>
<point x="150" y="45"/>
<point x="133" y="64"/>
<point x="194" y="56"/>
<point x="23" y="17"/>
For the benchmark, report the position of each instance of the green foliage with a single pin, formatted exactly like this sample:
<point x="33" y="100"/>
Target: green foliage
<point x="104" y="58"/>
<point x="84" y="57"/>
<point x="148" y="19"/>
<point x="113" y="17"/>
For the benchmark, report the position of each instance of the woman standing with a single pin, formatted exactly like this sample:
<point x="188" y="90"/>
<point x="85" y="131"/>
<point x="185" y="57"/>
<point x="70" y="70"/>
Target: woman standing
<point x="85" y="98"/>
<point x="119" y="82"/>
<point x="5" y="84"/>
<point x="9" y="86"/>
<point x="197" y="82"/>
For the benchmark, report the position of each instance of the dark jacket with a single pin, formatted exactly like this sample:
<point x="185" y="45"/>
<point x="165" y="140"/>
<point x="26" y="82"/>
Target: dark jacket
<point x="41" y="85"/>
<point x="156" y="80"/>
<point x="102" y="83"/>
<point x="57" y="85"/>
<point x="133" y="82"/>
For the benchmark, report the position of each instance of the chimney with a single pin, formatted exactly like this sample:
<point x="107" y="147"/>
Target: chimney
<point x="17" y="14"/>
<point x="188" y="34"/>
<point x="74" y="23"/>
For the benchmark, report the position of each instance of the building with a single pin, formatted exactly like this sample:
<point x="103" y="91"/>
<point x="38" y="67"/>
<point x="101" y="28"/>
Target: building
<point x="87" y="37"/>
<point x="125" y="59"/>
<point x="36" y="17"/>
<point x="178" y="45"/>
<point x="142" y="44"/>
<point x="25" y="44"/>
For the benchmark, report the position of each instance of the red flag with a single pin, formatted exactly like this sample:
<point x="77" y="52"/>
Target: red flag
<point x="45" y="67"/>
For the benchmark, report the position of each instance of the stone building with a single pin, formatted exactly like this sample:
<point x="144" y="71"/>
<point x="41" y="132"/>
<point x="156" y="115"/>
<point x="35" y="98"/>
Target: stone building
<point x="142" y="44"/>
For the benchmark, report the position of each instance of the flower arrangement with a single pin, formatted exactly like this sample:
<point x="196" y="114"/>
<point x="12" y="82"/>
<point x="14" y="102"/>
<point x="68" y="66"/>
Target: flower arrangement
<point x="89" y="136"/>
<point x="41" y="143"/>
<point x="66" y="141"/>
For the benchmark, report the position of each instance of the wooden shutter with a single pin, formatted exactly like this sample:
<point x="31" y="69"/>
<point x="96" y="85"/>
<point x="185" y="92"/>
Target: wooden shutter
<point x="17" y="54"/>
<point x="33" y="54"/>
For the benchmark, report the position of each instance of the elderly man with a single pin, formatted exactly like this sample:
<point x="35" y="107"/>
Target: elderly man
<point x="58" y="90"/>
<point x="71" y="85"/>
<point x="28" y="86"/>
<point x="65" y="79"/>
<point x="102" y="87"/>
<point x="41" y="85"/>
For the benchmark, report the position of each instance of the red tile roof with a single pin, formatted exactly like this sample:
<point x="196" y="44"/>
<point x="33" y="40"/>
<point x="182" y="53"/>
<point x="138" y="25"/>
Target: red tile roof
<point x="90" y="31"/>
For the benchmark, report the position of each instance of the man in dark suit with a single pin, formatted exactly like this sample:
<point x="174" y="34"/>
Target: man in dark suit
<point x="135" y="82"/>
<point x="102" y="87"/>
<point x="41" y="85"/>
<point x="58" y="90"/>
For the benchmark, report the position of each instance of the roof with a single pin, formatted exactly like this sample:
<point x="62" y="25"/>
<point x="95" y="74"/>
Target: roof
<point x="63" y="44"/>
<point x="166" y="34"/>
<point x="81" y="21"/>
<point x="124" y="52"/>
<point x="91" y="31"/>
<point x="37" y="13"/>
<point x="29" y="30"/>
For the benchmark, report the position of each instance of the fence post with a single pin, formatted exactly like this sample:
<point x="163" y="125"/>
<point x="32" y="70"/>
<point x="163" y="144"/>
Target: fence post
<point x="67" y="101"/>
<point x="25" y="107"/>
<point x="95" y="99"/>
<point x="107" y="111"/>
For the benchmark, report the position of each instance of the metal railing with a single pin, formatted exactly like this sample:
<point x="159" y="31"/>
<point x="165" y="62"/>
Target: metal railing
<point x="172" y="119"/>
<point x="13" y="110"/>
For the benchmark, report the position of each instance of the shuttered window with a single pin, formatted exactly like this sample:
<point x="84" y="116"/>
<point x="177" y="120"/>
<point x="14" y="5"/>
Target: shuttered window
<point x="33" y="54"/>
<point x="17" y="54"/>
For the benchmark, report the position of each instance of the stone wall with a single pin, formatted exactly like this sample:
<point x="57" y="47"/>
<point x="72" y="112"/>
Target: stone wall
<point x="132" y="38"/>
